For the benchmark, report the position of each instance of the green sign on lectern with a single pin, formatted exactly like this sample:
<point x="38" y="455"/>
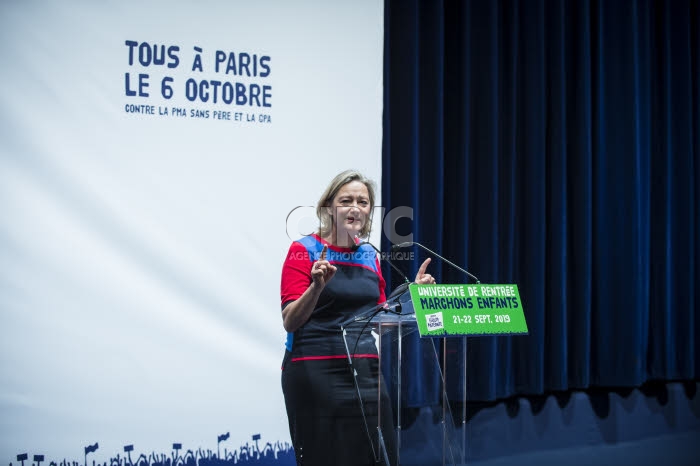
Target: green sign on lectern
<point x="457" y="310"/>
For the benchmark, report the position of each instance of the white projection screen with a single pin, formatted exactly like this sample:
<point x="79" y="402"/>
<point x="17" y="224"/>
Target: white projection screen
<point x="153" y="160"/>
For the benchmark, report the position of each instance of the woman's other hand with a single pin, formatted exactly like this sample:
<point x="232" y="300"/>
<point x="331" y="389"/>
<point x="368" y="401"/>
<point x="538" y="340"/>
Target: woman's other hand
<point x="423" y="278"/>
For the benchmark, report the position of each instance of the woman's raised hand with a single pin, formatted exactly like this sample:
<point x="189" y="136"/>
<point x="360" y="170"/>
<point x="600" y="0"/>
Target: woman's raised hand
<point x="322" y="271"/>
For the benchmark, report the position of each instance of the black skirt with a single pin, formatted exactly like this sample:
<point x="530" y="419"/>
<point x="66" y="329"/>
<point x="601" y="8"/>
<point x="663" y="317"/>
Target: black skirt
<point x="326" y="420"/>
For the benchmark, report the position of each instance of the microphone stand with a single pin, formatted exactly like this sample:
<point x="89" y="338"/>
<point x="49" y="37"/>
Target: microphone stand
<point x="374" y="311"/>
<point x="356" y="246"/>
<point x="412" y="243"/>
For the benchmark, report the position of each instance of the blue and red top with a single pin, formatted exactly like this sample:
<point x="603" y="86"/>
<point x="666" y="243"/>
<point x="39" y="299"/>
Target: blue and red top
<point x="356" y="288"/>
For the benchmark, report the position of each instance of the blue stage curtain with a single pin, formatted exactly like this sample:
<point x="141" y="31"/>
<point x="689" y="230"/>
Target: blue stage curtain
<point x="554" y="145"/>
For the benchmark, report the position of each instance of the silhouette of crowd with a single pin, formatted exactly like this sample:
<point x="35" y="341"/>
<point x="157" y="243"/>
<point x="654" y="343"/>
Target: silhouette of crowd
<point x="277" y="454"/>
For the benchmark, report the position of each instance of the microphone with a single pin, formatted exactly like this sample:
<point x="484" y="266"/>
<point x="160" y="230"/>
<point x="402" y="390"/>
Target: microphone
<point x="396" y="247"/>
<point x="357" y="245"/>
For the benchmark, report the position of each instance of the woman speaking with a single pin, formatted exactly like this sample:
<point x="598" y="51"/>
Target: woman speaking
<point x="326" y="280"/>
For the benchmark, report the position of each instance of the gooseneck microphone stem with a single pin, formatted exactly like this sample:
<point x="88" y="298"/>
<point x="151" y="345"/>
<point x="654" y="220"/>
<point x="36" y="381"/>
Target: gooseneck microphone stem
<point x="412" y="243"/>
<point x="357" y="246"/>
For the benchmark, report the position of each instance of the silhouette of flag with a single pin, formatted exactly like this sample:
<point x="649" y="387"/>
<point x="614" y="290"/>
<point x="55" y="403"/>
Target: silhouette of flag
<point x="91" y="448"/>
<point x="223" y="437"/>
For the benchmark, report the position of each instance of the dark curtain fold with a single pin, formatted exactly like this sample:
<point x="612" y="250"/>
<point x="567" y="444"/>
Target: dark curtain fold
<point x="553" y="144"/>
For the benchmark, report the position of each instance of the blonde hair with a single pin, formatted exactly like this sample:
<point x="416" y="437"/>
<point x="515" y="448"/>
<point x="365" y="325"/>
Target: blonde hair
<point x="340" y="180"/>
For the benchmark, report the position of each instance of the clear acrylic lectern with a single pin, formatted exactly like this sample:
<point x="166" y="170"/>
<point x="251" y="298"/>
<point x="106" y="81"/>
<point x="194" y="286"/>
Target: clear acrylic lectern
<point x="426" y="381"/>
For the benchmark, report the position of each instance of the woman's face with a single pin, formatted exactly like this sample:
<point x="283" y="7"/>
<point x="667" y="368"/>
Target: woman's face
<point x="351" y="211"/>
